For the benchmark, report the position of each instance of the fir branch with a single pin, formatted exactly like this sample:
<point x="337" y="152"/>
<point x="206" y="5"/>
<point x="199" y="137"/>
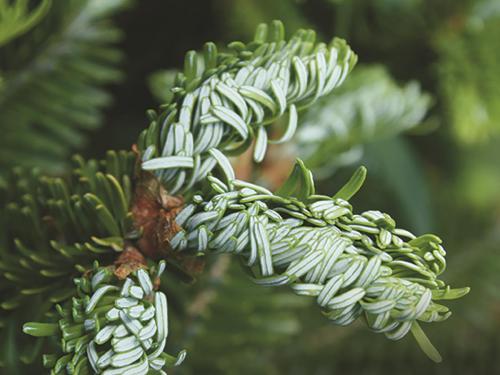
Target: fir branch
<point x="370" y="106"/>
<point x="225" y="102"/>
<point x="353" y="264"/>
<point x="112" y="327"/>
<point x="272" y="320"/>
<point x="54" y="228"/>
<point x="468" y="75"/>
<point x="52" y="83"/>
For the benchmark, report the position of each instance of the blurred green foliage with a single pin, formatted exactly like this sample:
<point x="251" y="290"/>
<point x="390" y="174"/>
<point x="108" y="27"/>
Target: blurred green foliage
<point x="468" y="70"/>
<point x="369" y="107"/>
<point x="54" y="64"/>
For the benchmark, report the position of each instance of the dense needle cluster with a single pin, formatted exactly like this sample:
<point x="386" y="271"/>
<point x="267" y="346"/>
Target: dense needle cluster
<point x="224" y="101"/>
<point x="353" y="264"/>
<point x="112" y="326"/>
<point x="56" y="227"/>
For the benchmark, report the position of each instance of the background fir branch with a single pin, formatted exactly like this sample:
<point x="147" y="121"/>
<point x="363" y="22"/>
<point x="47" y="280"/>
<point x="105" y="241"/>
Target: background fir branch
<point x="244" y="339"/>
<point x="53" y="224"/>
<point x="369" y="107"/>
<point x="469" y="72"/>
<point x="200" y="316"/>
<point x="53" y="79"/>
<point x="53" y="230"/>
<point x="401" y="180"/>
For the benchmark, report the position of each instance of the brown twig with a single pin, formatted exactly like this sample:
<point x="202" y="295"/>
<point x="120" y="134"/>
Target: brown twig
<point x="129" y="261"/>
<point x="154" y="212"/>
